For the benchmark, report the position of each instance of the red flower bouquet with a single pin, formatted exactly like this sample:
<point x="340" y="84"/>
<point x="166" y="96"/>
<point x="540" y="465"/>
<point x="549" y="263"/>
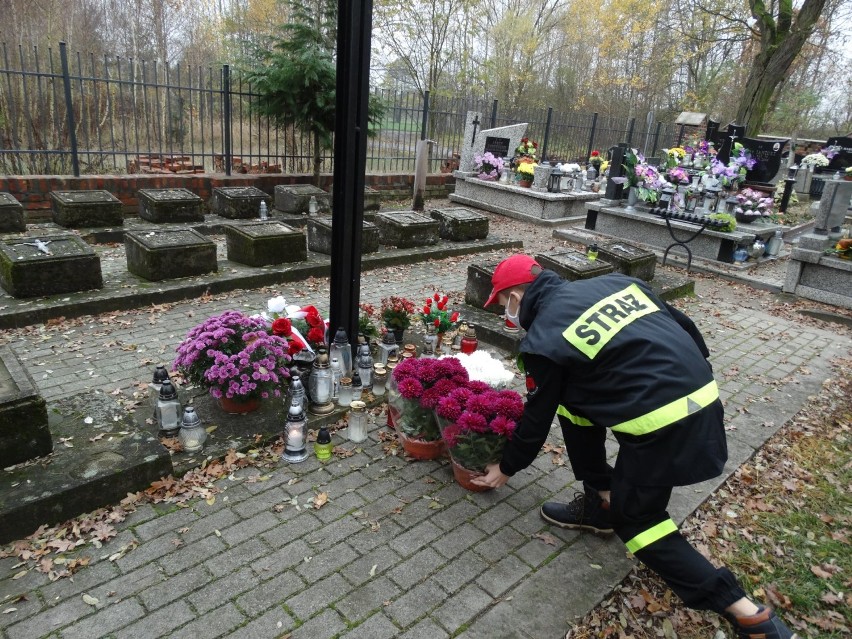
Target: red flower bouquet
<point x="479" y="422"/>
<point x="436" y="313"/>
<point x="420" y="384"/>
<point x="396" y="312"/>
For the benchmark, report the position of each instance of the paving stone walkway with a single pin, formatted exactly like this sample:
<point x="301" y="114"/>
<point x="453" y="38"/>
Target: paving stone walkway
<point x="399" y="550"/>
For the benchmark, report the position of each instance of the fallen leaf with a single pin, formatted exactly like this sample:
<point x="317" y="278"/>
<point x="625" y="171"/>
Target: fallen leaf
<point x="831" y="599"/>
<point x="373" y="570"/>
<point x="320" y="500"/>
<point x="8" y="610"/>
<point x="92" y="601"/>
<point x="547" y="538"/>
<point x="18" y="575"/>
<point x="211" y="500"/>
<point x="596" y="566"/>
<point x="819" y="572"/>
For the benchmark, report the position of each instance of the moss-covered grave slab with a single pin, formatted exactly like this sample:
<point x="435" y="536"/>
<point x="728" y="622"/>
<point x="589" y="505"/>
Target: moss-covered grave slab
<point x="168" y="254"/>
<point x="11" y="214"/>
<point x="629" y="259"/>
<point x="48" y="265"/>
<point x="406" y="229"/>
<point x="265" y="243"/>
<point x="82" y="209"/>
<point x="460" y="224"/>
<point x="24" y="433"/>
<point x="319" y="236"/>
<point x="573" y="265"/>
<point x="295" y="199"/>
<point x="238" y="202"/>
<point x="170" y="205"/>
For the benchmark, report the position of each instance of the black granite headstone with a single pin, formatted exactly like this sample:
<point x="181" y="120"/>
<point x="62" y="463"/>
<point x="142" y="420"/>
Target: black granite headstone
<point x="616" y="169"/>
<point x="843" y="157"/>
<point x="767" y="155"/>
<point x="499" y="147"/>
<point x="724" y="141"/>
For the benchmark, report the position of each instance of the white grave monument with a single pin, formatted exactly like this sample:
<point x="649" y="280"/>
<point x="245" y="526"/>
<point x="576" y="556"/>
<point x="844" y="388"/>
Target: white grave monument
<point x="501" y="141"/>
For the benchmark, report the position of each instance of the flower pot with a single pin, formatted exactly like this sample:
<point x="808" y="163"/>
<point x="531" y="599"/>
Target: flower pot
<point x="239" y="407"/>
<point x="398" y="334"/>
<point x="413" y="419"/>
<point x="525" y="183"/>
<point x="420" y="448"/>
<point x="464" y="477"/>
<point x="742" y="218"/>
<point x="632" y="198"/>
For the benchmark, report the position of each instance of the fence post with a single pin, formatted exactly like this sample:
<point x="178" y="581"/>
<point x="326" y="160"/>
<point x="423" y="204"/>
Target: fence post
<point x="226" y="116"/>
<point x="494" y="114"/>
<point x="546" y="134"/>
<point x="630" y="131"/>
<point x="425" y="121"/>
<point x="656" y="138"/>
<point x="69" y="110"/>
<point x="592" y="136"/>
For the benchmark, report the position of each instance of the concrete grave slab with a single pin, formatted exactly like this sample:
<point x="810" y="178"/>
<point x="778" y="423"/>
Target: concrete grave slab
<point x="81" y="209"/>
<point x="629" y="259"/>
<point x="48" y="265"/>
<point x="372" y="199"/>
<point x="238" y="202"/>
<point x="478" y="286"/>
<point x="460" y="224"/>
<point x="170" y="205"/>
<point x="319" y="236"/>
<point x="573" y="265"/>
<point x="265" y="243"/>
<point x="296" y="199"/>
<point x="167" y="254"/>
<point x="24" y="433"/>
<point x="11" y="214"/>
<point x="406" y="229"/>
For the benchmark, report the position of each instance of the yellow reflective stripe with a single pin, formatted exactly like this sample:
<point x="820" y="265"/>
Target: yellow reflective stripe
<point x="651" y="535"/>
<point x="671" y="412"/>
<point x="599" y="323"/>
<point x="574" y="419"/>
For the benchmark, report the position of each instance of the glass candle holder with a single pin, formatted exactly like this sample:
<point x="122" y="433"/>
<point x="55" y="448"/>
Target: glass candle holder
<point x="192" y="434"/>
<point x="321" y="385"/>
<point x="345" y="396"/>
<point x="322" y="446"/>
<point x="357" y="387"/>
<point x="295" y="435"/>
<point x="469" y="342"/>
<point x="357" y="422"/>
<point x="168" y="412"/>
<point x="160" y="375"/>
<point x="341" y="349"/>
<point x="380" y="378"/>
<point x="387" y="346"/>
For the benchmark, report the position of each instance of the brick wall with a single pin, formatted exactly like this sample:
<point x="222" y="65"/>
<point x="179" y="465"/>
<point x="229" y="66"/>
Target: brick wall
<point x="33" y="191"/>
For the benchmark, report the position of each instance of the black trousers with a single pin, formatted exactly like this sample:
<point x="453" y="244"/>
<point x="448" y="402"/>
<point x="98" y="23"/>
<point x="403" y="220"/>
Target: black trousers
<point x="636" y="510"/>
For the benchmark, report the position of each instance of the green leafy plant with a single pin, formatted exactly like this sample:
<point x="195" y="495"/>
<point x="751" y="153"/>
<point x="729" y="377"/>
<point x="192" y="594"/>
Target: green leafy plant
<point x="724" y="217"/>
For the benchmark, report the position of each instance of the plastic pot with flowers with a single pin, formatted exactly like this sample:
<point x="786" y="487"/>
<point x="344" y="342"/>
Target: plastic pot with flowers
<point x="396" y="315"/>
<point x="418" y="385"/>
<point x="237" y="359"/>
<point x="435" y="313"/>
<point x="752" y="206"/>
<point x="477" y="421"/>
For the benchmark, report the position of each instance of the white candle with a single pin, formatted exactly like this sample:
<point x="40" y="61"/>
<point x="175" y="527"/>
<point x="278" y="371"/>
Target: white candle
<point x="295" y="441"/>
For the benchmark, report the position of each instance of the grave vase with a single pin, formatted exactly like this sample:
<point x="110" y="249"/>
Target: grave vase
<point x="632" y="198"/>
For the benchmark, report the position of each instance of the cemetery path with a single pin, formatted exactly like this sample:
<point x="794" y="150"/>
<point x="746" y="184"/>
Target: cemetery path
<point x="398" y="550"/>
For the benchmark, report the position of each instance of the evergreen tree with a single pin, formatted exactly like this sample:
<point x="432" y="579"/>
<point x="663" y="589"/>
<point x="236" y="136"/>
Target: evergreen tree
<point x="295" y="75"/>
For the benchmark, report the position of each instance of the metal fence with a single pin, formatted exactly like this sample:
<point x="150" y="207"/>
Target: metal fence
<point x="63" y="114"/>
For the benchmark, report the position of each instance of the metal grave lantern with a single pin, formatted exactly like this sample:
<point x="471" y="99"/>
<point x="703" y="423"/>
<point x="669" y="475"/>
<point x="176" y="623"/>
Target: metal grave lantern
<point x="168" y="412"/>
<point x="341" y="349"/>
<point x="554" y="182"/>
<point x="321" y="385"/>
<point x="295" y="435"/>
<point x="192" y="434"/>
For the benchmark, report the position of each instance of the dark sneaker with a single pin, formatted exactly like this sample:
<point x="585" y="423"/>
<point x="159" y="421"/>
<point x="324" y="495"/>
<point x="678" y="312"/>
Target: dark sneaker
<point x="763" y="625"/>
<point x="587" y="511"/>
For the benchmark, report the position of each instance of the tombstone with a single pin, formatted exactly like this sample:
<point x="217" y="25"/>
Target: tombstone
<point x="843" y="157"/>
<point x="724" y="142"/>
<point x="460" y="224"/>
<point x="238" y="202"/>
<point x="572" y="265"/>
<point x="372" y="199"/>
<point x="265" y="243"/>
<point x="614" y="191"/>
<point x="502" y="141"/>
<point x="767" y="155"/>
<point x="48" y="265"/>
<point x="319" y="236"/>
<point x="478" y="286"/>
<point x="81" y="209"/>
<point x="24" y="433"/>
<point x="168" y="254"/>
<point x="629" y="259"/>
<point x="295" y="199"/>
<point x="11" y="214"/>
<point x="170" y="205"/>
<point x="406" y="229"/>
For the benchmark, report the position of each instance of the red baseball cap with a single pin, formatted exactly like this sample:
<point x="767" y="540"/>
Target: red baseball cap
<point x="514" y="270"/>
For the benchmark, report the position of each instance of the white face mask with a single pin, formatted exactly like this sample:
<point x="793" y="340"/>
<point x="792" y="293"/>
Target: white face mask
<point x="513" y="317"/>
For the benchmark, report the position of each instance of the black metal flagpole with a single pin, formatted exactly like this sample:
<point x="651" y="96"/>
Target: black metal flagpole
<point x="354" y="25"/>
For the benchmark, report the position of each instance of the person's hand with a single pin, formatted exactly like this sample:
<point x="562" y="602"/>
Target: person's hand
<point x="493" y="477"/>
